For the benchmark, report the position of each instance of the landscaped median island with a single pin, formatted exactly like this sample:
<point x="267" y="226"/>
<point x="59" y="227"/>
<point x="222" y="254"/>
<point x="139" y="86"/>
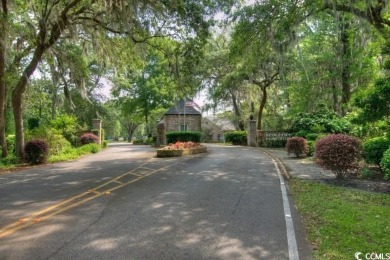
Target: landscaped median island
<point x="181" y="148"/>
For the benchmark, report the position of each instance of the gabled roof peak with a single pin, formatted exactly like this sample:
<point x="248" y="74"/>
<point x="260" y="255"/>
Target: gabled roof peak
<point x="184" y="107"/>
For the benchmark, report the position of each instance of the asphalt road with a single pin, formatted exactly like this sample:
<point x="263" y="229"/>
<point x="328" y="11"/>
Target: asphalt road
<point x="124" y="203"/>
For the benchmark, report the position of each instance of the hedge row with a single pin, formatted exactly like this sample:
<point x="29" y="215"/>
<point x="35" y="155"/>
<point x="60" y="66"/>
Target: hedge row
<point x="236" y="137"/>
<point x="193" y="136"/>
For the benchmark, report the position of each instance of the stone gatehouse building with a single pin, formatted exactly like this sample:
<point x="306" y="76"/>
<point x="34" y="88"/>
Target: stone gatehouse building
<point x="183" y="116"/>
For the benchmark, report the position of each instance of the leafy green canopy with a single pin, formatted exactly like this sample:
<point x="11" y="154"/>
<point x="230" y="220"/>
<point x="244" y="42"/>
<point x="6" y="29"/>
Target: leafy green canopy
<point x="321" y="121"/>
<point x="375" y="102"/>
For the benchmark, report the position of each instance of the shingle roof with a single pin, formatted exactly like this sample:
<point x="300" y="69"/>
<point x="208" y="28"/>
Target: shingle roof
<point x="224" y="124"/>
<point x="182" y="107"/>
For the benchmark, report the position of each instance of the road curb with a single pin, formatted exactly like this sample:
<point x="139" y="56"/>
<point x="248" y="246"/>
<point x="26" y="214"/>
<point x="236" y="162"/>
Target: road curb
<point x="280" y="164"/>
<point x="304" y="248"/>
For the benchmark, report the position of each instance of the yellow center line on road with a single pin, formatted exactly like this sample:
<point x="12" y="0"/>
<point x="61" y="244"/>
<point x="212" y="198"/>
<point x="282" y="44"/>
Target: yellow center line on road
<point x="75" y="201"/>
<point x="135" y="174"/>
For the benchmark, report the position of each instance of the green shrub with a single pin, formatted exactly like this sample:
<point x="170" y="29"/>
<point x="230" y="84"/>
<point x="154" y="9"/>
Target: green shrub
<point x="36" y="151"/>
<point x="323" y="120"/>
<point x="366" y="173"/>
<point x="193" y="136"/>
<point x="89" y="138"/>
<point x="56" y="142"/>
<point x="67" y="126"/>
<point x="385" y="164"/>
<point x="297" y="146"/>
<point x="88" y="148"/>
<point x="9" y="160"/>
<point x="312" y="136"/>
<point x="302" y="133"/>
<point x="138" y="142"/>
<point x="150" y="140"/>
<point x="311" y="146"/>
<point x="374" y="148"/>
<point x="10" y="140"/>
<point x="236" y="137"/>
<point x="33" y="123"/>
<point x="338" y="153"/>
<point x="104" y="144"/>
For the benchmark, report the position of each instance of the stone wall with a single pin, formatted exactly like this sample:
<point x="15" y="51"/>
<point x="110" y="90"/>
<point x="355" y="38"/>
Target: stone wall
<point x="173" y="122"/>
<point x="271" y="136"/>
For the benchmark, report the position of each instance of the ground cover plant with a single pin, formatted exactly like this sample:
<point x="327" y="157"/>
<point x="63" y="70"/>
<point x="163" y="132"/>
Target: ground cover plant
<point x="341" y="221"/>
<point x="73" y="153"/>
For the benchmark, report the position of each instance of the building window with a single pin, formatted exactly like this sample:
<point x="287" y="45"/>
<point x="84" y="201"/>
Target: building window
<point x="183" y="127"/>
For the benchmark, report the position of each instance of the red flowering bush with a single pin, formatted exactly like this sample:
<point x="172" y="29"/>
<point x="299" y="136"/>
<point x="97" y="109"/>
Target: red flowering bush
<point x="297" y="146"/>
<point x="181" y="146"/>
<point x="338" y="153"/>
<point x="89" y="138"/>
<point x="36" y="151"/>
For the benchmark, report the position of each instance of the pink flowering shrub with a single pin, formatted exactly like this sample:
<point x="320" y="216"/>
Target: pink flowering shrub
<point x="89" y="138"/>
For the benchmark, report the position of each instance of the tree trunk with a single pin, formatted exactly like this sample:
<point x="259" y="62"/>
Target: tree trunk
<point x="336" y="105"/>
<point x="148" y="132"/>
<point x="237" y="112"/>
<point x="346" y="87"/>
<point x="17" y="95"/>
<point x="130" y="131"/>
<point x="3" y="87"/>
<point x="262" y="105"/>
<point x="43" y="43"/>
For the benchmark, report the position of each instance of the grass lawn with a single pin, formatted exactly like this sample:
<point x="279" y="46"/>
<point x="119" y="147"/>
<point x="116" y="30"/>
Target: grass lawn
<point x="342" y="221"/>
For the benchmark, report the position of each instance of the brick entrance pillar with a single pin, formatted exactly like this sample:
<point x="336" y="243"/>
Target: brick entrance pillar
<point x="97" y="124"/>
<point x="160" y="134"/>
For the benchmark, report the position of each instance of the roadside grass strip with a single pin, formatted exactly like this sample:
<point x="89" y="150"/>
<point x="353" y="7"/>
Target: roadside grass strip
<point x="342" y="222"/>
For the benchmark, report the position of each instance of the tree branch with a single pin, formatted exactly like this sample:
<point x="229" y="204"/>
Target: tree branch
<point x="372" y="14"/>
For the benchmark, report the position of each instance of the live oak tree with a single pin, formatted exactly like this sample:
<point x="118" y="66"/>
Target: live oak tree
<point x="374" y="12"/>
<point x="39" y="25"/>
<point x="221" y="79"/>
<point x="259" y="41"/>
<point x="142" y="90"/>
